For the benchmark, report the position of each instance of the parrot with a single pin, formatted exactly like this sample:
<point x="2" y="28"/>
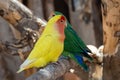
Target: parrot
<point x="74" y="47"/>
<point x="49" y="46"/>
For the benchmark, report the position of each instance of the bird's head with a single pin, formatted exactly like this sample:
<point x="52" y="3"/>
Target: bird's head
<point x="59" y="22"/>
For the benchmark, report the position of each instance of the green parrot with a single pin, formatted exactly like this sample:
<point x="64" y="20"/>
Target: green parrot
<point x="74" y="47"/>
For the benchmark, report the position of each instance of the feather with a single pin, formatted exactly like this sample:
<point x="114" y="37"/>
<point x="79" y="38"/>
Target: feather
<point x="81" y="63"/>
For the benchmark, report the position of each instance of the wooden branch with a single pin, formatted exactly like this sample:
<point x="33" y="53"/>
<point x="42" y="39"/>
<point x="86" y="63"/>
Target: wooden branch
<point x="16" y="13"/>
<point x="52" y="71"/>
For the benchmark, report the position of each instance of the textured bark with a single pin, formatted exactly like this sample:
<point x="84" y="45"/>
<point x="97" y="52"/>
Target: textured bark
<point x="111" y="67"/>
<point x="111" y="30"/>
<point x="111" y="25"/>
<point x="16" y="13"/>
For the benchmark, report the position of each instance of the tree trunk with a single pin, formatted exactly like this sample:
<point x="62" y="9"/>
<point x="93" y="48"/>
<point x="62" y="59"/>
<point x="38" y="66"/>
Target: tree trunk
<point x="111" y="25"/>
<point x="97" y="21"/>
<point x="111" y="67"/>
<point x="111" y="33"/>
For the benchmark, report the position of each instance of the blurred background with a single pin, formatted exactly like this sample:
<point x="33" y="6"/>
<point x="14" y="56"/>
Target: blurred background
<point x="85" y="17"/>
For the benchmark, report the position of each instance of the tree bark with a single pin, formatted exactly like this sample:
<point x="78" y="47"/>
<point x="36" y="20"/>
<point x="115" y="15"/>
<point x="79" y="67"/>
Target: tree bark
<point x="111" y="30"/>
<point x="111" y="25"/>
<point x="97" y="21"/>
<point x="16" y="13"/>
<point x="111" y="67"/>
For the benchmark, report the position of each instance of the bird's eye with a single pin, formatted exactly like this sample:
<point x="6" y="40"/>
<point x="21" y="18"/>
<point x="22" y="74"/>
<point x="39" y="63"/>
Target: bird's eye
<point x="53" y="15"/>
<point x="61" y="21"/>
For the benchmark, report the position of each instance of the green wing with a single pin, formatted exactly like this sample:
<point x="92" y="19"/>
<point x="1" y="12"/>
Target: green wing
<point x="74" y="44"/>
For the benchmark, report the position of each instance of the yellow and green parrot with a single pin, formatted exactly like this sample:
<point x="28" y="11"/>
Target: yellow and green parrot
<point x="74" y="47"/>
<point x="49" y="46"/>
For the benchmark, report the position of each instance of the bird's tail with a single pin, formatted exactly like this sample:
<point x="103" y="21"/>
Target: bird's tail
<point x="25" y="65"/>
<point x="80" y="61"/>
<point x="20" y="70"/>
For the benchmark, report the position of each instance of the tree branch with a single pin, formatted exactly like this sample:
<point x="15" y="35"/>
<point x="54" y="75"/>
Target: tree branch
<point x="15" y="12"/>
<point x="52" y="71"/>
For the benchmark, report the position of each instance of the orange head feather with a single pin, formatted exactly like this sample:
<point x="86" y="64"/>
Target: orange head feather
<point x="61" y="23"/>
